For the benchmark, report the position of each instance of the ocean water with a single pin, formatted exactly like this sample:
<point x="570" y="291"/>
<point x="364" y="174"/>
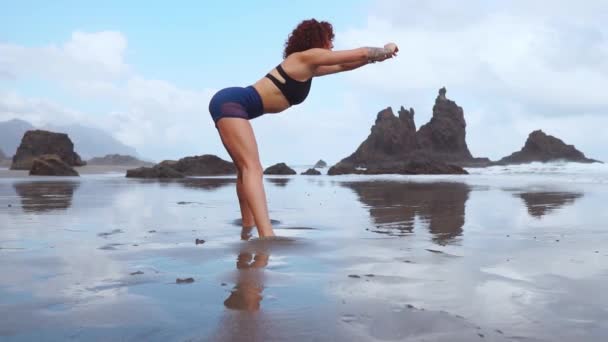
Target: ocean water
<point x="514" y="253"/>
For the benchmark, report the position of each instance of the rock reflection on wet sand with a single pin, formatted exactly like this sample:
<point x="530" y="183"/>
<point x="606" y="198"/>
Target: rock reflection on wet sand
<point x="542" y="203"/>
<point x="192" y="183"/>
<point x="358" y="260"/>
<point x="396" y="206"/>
<point x="280" y="182"/>
<point x="41" y="196"/>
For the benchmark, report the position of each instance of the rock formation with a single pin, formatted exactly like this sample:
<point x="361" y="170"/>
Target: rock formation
<point x="157" y="171"/>
<point x="541" y="147"/>
<point x="410" y="167"/>
<point x="118" y="160"/>
<point x="51" y="165"/>
<point x="392" y="138"/>
<point x="37" y="143"/>
<point x="444" y="137"/>
<point x="320" y="164"/>
<point x="394" y="145"/>
<point x="311" y="172"/>
<point x="205" y="165"/>
<point x="279" y="169"/>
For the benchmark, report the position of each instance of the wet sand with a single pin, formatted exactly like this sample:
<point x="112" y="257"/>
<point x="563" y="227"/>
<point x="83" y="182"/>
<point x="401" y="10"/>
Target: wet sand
<point x="5" y="172"/>
<point x="102" y="257"/>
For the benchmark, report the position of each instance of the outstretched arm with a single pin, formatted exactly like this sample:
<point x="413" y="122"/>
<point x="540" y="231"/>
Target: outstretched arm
<point x="323" y="70"/>
<point x="350" y="59"/>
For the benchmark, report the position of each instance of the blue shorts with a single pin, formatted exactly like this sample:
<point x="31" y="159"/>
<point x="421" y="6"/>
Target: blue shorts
<point x="236" y="102"/>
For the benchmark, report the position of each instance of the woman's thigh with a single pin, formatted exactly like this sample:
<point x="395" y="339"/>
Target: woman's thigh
<point x="238" y="138"/>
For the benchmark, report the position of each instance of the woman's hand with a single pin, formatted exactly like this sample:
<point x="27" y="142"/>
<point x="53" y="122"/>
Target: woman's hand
<point x="375" y="54"/>
<point x="392" y="48"/>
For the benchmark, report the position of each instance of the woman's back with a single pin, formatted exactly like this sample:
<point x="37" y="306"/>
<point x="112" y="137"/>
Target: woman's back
<point x="295" y="77"/>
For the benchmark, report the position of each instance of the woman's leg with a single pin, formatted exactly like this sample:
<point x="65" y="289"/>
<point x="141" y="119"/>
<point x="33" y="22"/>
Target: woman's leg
<point x="238" y="138"/>
<point x="247" y="220"/>
<point x="246" y="214"/>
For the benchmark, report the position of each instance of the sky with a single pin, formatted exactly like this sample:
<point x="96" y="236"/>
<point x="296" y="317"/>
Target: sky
<point x="145" y="71"/>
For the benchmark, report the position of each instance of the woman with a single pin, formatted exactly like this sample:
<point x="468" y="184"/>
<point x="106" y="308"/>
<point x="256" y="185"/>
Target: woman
<point x="308" y="53"/>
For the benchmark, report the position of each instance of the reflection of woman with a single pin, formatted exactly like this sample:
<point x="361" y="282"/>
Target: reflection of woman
<point x="308" y="53"/>
<point x="247" y="294"/>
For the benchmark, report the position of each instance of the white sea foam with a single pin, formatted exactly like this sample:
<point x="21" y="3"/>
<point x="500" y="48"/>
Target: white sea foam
<point x="554" y="171"/>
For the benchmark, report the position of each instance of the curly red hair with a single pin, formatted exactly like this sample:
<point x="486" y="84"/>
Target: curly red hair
<point x="307" y="35"/>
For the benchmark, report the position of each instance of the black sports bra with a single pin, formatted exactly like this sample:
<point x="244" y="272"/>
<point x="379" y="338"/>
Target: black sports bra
<point x="294" y="91"/>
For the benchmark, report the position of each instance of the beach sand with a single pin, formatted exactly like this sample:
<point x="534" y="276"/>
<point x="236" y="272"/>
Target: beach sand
<point x="5" y="172"/>
<point x="496" y="257"/>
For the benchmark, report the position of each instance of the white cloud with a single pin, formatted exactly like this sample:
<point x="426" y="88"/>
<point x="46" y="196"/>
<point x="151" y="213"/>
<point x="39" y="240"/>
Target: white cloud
<point x="528" y="58"/>
<point x="156" y="117"/>
<point x="86" y="56"/>
<point x="34" y="110"/>
<point x="105" y="49"/>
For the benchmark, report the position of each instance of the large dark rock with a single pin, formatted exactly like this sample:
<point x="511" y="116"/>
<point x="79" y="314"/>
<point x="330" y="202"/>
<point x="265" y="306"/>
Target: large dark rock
<point x="279" y="169"/>
<point x="157" y="171"/>
<point x="311" y="172"/>
<point x="51" y="165"/>
<point x="391" y="139"/>
<point x="444" y="137"/>
<point x="410" y="167"/>
<point x="168" y="162"/>
<point x="118" y="160"/>
<point x="320" y="164"/>
<point x="205" y="165"/>
<point x="37" y="143"/>
<point x="541" y="147"/>
<point x="394" y="146"/>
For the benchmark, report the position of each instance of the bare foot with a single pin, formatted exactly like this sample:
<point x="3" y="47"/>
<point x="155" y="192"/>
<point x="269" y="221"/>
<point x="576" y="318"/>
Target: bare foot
<point x="246" y="233"/>
<point x="262" y="233"/>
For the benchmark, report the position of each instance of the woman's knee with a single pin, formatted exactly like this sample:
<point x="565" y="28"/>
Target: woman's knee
<point x="252" y="168"/>
<point x="242" y="168"/>
<point x="247" y="165"/>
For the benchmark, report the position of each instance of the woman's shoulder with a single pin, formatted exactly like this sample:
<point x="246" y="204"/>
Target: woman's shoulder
<point x="312" y="51"/>
<point x="306" y="56"/>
